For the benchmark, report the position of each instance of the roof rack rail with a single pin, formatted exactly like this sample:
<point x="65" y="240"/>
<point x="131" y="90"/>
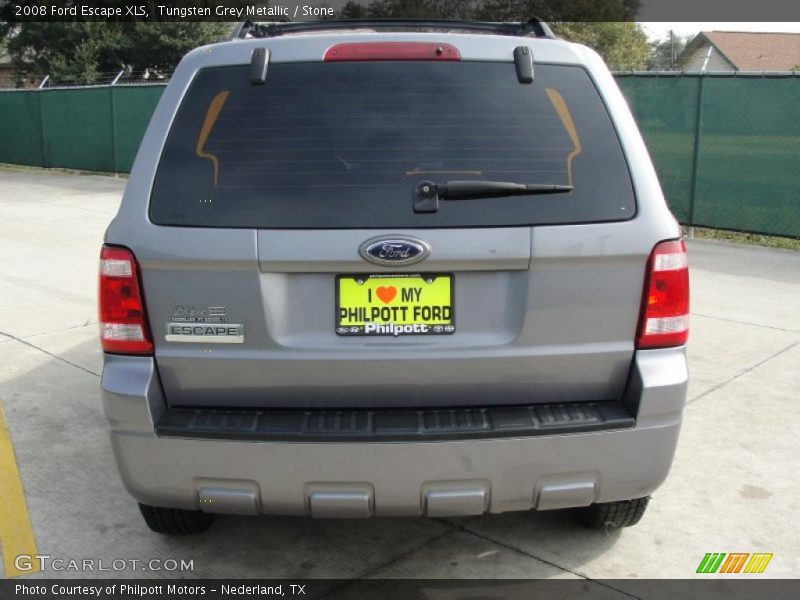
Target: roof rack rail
<point x="531" y="28"/>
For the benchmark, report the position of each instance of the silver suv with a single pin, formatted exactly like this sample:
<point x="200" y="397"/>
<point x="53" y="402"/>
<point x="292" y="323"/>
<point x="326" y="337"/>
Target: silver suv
<point x="393" y="268"/>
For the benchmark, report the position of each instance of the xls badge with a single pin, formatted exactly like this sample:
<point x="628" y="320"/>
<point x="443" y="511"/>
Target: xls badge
<point x="207" y="325"/>
<point x="186" y="313"/>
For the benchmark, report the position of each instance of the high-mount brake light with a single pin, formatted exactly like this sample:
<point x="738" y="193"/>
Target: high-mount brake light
<point x="123" y="323"/>
<point x="373" y="51"/>
<point x="664" y="320"/>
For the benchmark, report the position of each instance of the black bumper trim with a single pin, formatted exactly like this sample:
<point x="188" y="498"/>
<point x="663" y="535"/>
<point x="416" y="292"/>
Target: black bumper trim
<point x="388" y="425"/>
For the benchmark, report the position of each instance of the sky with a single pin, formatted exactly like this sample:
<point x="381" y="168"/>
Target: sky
<point x="661" y="30"/>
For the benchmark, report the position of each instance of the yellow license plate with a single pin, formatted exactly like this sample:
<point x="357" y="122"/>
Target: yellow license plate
<point x="413" y="304"/>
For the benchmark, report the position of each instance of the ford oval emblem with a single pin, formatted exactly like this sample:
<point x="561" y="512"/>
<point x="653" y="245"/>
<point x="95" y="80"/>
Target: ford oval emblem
<point x="394" y="251"/>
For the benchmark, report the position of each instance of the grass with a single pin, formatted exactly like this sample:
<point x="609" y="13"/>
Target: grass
<point x="58" y="170"/>
<point x="753" y="239"/>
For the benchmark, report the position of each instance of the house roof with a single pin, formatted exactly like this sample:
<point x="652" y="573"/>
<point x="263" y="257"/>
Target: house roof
<point x="753" y="51"/>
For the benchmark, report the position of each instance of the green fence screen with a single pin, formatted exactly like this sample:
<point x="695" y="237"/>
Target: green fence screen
<point x="94" y="129"/>
<point x="76" y="129"/>
<point x="21" y="128"/>
<point x="726" y="148"/>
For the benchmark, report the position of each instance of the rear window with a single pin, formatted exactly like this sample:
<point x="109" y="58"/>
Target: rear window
<point x="344" y="145"/>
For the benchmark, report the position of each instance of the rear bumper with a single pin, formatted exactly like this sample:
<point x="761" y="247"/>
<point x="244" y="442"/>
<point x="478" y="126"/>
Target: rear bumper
<point x="395" y="478"/>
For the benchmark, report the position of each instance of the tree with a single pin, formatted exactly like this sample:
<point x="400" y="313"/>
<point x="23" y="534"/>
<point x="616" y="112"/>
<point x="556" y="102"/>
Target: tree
<point x="622" y="44"/>
<point x="493" y="10"/>
<point x="76" y="52"/>
<point x="558" y="11"/>
<point x="665" y="54"/>
<point x="409" y="9"/>
<point x="82" y="52"/>
<point x="353" y="10"/>
<point x="605" y="25"/>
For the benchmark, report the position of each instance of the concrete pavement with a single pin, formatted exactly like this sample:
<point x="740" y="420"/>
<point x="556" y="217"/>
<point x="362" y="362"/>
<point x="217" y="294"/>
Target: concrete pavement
<point x="732" y="488"/>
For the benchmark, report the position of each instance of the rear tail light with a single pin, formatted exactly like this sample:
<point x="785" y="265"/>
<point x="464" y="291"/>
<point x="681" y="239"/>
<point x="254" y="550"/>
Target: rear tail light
<point x="123" y="324"/>
<point x="664" y="320"/>
<point x="356" y="52"/>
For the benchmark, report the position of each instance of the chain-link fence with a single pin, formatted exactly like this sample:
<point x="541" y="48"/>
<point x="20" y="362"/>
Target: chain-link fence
<point x="19" y="81"/>
<point x="726" y="147"/>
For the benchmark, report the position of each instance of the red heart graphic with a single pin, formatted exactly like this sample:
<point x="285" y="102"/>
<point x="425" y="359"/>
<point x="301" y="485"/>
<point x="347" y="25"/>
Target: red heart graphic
<point x="386" y="294"/>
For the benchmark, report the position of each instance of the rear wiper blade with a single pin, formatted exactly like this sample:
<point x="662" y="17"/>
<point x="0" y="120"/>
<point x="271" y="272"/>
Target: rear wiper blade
<point x="428" y="194"/>
<point x="488" y="189"/>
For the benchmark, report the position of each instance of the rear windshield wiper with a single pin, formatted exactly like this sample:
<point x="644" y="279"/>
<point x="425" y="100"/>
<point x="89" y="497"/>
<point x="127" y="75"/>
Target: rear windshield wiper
<point x="428" y="194"/>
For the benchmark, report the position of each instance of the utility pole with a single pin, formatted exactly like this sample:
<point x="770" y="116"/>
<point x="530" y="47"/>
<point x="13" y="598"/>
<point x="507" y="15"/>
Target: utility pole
<point x="671" y="50"/>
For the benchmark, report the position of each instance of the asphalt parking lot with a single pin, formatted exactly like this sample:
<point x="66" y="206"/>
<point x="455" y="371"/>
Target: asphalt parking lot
<point x="734" y="486"/>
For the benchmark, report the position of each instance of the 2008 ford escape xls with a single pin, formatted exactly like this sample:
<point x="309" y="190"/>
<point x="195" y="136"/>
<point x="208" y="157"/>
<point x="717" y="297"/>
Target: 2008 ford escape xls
<point x="391" y="268"/>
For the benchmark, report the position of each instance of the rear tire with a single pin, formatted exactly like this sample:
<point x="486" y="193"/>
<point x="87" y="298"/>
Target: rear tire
<point x="175" y="521"/>
<point x="613" y="515"/>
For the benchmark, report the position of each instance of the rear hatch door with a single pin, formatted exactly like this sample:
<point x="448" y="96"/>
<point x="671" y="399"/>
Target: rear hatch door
<point x="306" y="278"/>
